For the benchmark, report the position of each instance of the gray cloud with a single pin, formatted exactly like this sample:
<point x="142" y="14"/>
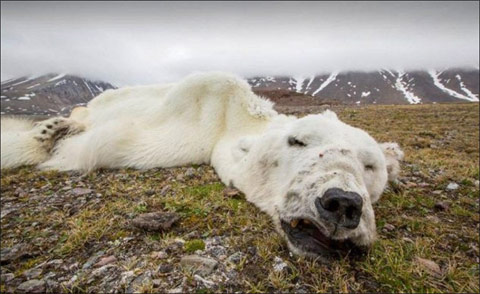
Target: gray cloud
<point x="149" y="42"/>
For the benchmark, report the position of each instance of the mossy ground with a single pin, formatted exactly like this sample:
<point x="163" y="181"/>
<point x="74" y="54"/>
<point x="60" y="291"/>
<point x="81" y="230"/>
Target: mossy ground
<point x="441" y="144"/>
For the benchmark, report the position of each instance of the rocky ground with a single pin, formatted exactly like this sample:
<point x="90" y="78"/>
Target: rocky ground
<point x="181" y="230"/>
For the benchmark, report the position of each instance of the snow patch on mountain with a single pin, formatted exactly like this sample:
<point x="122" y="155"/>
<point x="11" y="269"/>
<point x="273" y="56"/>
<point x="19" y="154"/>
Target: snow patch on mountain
<point x="310" y="82"/>
<point x="56" y="77"/>
<point x="299" y="84"/>
<point x="22" y="82"/>
<point x="330" y="79"/>
<point x="403" y="87"/>
<point x="469" y="93"/>
<point x="436" y="80"/>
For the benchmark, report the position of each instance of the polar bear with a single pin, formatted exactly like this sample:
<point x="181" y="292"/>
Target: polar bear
<point x="316" y="176"/>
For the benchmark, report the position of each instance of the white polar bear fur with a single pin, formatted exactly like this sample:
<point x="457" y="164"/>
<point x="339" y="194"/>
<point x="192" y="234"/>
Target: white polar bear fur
<point x="151" y="126"/>
<point x="214" y="119"/>
<point x="18" y="145"/>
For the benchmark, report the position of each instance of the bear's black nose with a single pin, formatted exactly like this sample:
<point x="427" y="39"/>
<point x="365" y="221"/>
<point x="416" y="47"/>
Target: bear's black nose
<point x="340" y="207"/>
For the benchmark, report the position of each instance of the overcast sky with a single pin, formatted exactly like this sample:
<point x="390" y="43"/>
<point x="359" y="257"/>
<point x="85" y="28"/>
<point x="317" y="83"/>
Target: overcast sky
<point x="152" y="42"/>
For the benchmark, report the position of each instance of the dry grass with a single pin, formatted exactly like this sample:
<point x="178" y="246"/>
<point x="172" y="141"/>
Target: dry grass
<point x="441" y="143"/>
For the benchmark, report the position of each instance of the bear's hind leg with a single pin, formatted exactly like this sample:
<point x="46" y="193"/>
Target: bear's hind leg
<point x="49" y="131"/>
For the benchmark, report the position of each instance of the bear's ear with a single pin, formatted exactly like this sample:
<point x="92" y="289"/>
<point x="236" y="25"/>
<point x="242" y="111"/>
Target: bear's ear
<point x="393" y="155"/>
<point x="330" y="114"/>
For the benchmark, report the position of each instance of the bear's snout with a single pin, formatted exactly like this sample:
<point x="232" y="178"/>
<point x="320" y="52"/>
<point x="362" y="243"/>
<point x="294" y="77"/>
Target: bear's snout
<point x="340" y="207"/>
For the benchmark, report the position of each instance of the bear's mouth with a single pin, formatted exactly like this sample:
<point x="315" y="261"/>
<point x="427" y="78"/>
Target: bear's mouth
<point x="310" y="238"/>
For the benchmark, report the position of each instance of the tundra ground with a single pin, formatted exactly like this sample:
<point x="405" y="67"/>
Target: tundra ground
<point x="70" y="232"/>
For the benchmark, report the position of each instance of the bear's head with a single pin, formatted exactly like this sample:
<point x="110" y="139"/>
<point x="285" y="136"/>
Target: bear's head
<point x="318" y="178"/>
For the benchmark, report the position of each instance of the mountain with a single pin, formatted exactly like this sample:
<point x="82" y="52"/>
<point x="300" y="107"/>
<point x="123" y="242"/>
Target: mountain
<point x="50" y="94"/>
<point x="380" y="87"/>
<point x="55" y="94"/>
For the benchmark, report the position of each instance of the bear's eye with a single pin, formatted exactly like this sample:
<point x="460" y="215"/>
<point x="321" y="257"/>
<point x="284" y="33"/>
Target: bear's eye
<point x="292" y="141"/>
<point x="369" y="167"/>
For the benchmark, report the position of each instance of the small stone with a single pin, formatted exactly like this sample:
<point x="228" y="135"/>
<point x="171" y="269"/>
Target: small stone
<point x="441" y="206"/>
<point x="173" y="247"/>
<point x="32" y="273"/>
<point x="5" y="278"/>
<point x="431" y="266"/>
<point x="476" y="183"/>
<point x="20" y="192"/>
<point x="73" y="267"/>
<point x="32" y="286"/>
<point x="139" y="281"/>
<point x="300" y="289"/>
<point x="279" y="265"/>
<point x="101" y="271"/>
<point x="159" y="255"/>
<point x="176" y="290"/>
<point x="192" y="235"/>
<point x="231" y="192"/>
<point x="128" y="239"/>
<point x="6" y="212"/>
<point x="81" y="191"/>
<point x="201" y="265"/>
<point x="217" y="250"/>
<point x="91" y="260"/>
<point x="155" y="221"/>
<point x="106" y="260"/>
<point x="70" y="282"/>
<point x="156" y="282"/>
<point x="54" y="263"/>
<point x="49" y="275"/>
<point x="190" y="173"/>
<point x="126" y="277"/>
<point x="165" y="190"/>
<point x="389" y="227"/>
<point x="411" y="185"/>
<point x="10" y="254"/>
<point x="165" y="268"/>
<point x="150" y="192"/>
<point x="235" y="258"/>
<point x="53" y="286"/>
<point x="437" y="192"/>
<point x="205" y="282"/>
<point x="433" y="219"/>
<point x="453" y="186"/>
<point x="252" y="250"/>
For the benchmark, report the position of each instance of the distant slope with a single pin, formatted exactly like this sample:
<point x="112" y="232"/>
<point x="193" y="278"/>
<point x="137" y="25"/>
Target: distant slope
<point x="380" y="87"/>
<point x="50" y="94"/>
<point x="55" y="94"/>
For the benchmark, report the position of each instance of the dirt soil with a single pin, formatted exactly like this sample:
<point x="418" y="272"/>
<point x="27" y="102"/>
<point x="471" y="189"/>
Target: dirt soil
<point x="72" y="232"/>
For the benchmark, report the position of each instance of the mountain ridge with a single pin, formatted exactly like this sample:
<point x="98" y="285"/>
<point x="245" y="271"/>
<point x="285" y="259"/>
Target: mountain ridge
<point x="57" y="94"/>
<point x="381" y="87"/>
<point x="50" y="94"/>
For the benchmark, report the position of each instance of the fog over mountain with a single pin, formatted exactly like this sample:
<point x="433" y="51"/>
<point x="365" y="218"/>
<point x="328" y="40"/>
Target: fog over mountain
<point x="153" y="42"/>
